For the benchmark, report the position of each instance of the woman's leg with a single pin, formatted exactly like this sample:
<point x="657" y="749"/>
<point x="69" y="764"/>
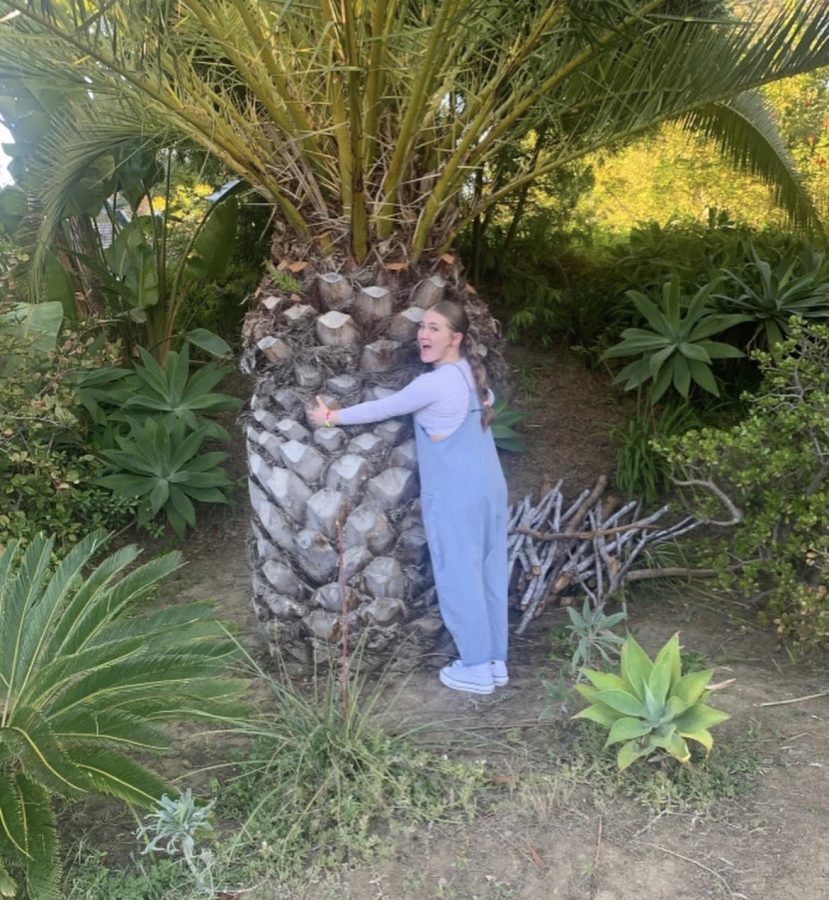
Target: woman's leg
<point x="456" y="546"/>
<point x="495" y="577"/>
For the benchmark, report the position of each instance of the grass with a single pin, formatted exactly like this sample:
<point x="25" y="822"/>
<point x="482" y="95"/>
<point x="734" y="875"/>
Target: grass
<point x="319" y="786"/>
<point x="315" y="788"/>
<point x="728" y="773"/>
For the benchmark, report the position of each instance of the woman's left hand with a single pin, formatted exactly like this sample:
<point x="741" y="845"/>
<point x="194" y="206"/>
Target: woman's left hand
<point x="318" y="415"/>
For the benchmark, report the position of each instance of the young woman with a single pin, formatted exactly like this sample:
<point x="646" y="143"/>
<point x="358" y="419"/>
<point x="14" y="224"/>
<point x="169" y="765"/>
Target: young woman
<point x="463" y="492"/>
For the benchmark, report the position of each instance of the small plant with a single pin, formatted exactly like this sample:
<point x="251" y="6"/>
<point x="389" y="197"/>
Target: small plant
<point x="284" y="280"/>
<point x="591" y="634"/>
<point x="651" y="706"/>
<point x="175" y="827"/>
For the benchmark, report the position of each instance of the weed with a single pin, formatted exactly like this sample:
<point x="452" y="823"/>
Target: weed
<point x="727" y="773"/>
<point x="591" y="636"/>
<point x="89" y="877"/>
<point x="174" y="829"/>
<point x="320" y="781"/>
<point x="283" y="280"/>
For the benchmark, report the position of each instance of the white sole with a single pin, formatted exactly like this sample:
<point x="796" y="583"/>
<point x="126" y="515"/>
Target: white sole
<point x="469" y="687"/>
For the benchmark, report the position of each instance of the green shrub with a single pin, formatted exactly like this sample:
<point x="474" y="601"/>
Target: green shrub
<point x="86" y="680"/>
<point x="49" y="469"/>
<point x="774" y="466"/>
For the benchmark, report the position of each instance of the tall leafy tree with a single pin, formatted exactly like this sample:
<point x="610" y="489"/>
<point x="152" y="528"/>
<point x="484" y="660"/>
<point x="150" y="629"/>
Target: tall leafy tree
<point x="375" y="128"/>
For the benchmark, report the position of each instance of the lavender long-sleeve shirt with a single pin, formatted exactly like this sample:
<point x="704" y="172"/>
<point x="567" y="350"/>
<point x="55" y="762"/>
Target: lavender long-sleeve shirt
<point x="439" y="400"/>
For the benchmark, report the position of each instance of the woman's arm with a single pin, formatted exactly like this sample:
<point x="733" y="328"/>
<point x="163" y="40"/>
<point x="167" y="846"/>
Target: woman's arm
<point x="425" y="389"/>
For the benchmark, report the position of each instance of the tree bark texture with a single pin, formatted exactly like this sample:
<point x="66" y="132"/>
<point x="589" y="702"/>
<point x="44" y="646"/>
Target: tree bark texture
<point x="348" y="336"/>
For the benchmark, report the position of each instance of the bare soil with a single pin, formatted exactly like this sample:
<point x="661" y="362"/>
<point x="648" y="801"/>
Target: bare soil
<point x="553" y="834"/>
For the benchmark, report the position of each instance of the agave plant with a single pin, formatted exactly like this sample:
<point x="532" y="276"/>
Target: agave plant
<point x="506" y="437"/>
<point x="769" y="295"/>
<point x="171" y="394"/>
<point x="167" y="471"/>
<point x="378" y="132"/>
<point x="651" y="706"/>
<point x="88" y="678"/>
<point x="676" y="348"/>
<point x="591" y="633"/>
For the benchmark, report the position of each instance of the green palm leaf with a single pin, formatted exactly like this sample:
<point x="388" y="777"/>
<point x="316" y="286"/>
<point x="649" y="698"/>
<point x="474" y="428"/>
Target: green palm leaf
<point x="89" y="679"/>
<point x="357" y="94"/>
<point x="746" y="120"/>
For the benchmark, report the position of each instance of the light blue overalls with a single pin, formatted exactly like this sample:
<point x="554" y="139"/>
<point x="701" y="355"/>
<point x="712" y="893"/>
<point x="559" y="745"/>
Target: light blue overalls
<point x="464" y="499"/>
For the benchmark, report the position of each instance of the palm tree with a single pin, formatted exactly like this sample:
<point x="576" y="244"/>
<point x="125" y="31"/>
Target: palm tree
<point x="375" y="128"/>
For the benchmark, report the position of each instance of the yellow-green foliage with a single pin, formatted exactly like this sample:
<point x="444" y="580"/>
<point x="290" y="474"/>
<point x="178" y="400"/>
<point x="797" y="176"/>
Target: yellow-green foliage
<point x="651" y="706"/>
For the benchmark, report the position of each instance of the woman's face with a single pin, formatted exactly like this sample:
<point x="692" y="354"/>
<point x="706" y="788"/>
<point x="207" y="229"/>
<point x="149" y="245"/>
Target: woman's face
<point x="437" y="341"/>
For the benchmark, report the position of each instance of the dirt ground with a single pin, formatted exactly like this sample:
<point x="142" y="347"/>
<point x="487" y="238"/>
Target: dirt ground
<point x="549" y="837"/>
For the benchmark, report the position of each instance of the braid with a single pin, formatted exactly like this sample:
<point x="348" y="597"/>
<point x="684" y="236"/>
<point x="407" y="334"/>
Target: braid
<point x="458" y="320"/>
<point x="481" y="380"/>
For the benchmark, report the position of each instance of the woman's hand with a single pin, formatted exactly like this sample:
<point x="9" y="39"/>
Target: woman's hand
<point x="320" y="414"/>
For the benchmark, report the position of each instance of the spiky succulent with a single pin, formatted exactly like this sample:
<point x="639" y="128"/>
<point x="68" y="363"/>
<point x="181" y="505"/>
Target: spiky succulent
<point x="651" y="705"/>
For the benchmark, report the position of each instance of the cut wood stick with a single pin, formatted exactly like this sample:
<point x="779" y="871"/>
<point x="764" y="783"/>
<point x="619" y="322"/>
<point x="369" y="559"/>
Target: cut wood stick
<point x="795" y="699"/>
<point x="589" y="502"/>
<point x="670" y="572"/>
<point x="579" y="535"/>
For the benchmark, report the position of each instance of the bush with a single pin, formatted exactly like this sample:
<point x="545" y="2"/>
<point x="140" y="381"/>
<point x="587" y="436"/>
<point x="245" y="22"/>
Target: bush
<point x="774" y="466"/>
<point x="48" y="466"/>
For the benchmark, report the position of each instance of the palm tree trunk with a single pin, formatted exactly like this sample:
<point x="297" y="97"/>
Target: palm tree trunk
<point x="348" y="339"/>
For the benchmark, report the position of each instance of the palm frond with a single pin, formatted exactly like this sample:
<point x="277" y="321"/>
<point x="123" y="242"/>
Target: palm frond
<point x="363" y="119"/>
<point x="747" y="135"/>
<point x="88" y="677"/>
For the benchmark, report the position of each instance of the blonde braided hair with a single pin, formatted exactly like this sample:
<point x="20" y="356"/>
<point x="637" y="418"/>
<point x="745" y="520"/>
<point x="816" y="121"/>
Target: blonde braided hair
<point x="458" y="320"/>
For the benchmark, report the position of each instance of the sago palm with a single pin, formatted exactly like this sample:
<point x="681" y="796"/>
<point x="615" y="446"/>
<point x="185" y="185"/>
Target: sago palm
<point x="375" y="129"/>
<point x="87" y="680"/>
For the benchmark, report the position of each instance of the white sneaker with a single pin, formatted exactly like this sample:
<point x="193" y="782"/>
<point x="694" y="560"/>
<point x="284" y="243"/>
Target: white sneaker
<point x="498" y="670"/>
<point x="475" y="679"/>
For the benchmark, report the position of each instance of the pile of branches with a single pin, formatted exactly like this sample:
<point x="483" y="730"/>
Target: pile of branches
<point x="591" y="544"/>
